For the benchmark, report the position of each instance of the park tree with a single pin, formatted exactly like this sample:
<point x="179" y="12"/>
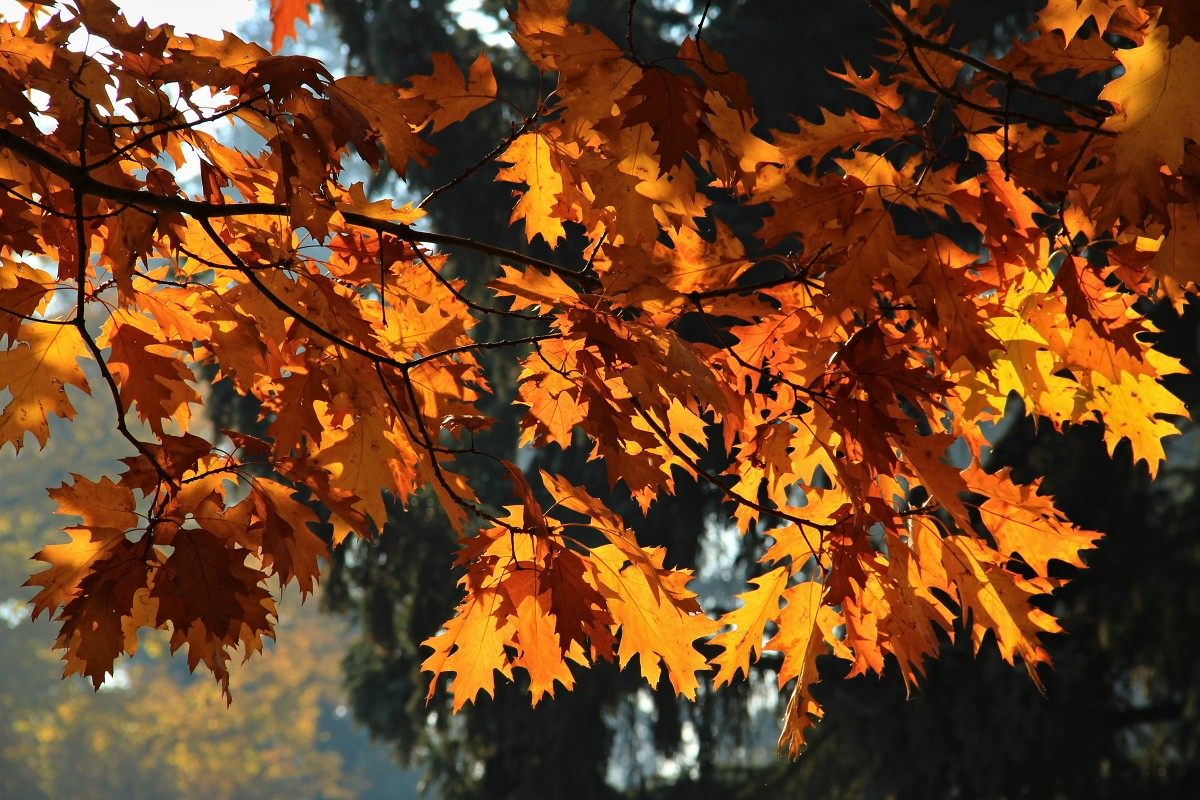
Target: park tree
<point x="969" y="232"/>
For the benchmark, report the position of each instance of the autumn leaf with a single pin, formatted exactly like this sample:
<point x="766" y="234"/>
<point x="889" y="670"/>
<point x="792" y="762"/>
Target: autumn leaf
<point x="36" y="369"/>
<point x="1154" y="117"/>
<point x="289" y="546"/>
<point x="472" y="647"/>
<point x="534" y="518"/>
<point x="107" y="512"/>
<point x="284" y="14"/>
<point x="358" y="459"/>
<point x="998" y="601"/>
<point x="581" y="617"/>
<point x="148" y="370"/>
<point x="100" y="623"/>
<point x="760" y="606"/>
<point x="671" y="106"/>
<point x="1069" y="16"/>
<point x="1025" y="522"/>
<point x="655" y="622"/>
<point x="534" y="162"/>
<point x="23" y="290"/>
<point x="539" y="651"/>
<point x="455" y="96"/>
<point x="801" y="639"/>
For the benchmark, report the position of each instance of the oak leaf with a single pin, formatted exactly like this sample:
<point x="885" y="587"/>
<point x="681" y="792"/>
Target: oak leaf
<point x="760" y="606"/>
<point x="801" y="638"/>
<point x="36" y="369"/>
<point x="1155" y="115"/>
<point x="829" y="377"/>
<point x="472" y="647"/>
<point x="671" y="106"/>
<point x="107" y="510"/>
<point x="284" y="15"/>
<point x="454" y="96"/>
<point x="659" y="620"/>
<point x="535" y="162"/>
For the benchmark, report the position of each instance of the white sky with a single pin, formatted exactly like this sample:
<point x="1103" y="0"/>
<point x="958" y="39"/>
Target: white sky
<point x="204" y="17"/>
<point x="210" y="17"/>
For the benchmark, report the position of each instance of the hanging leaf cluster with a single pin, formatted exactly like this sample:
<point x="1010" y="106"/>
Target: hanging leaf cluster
<point x="958" y="238"/>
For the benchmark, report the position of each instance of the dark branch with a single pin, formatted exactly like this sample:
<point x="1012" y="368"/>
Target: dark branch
<point x="80" y="178"/>
<point x="339" y="341"/>
<point x="665" y="438"/>
<point x="914" y="42"/>
<point x="491" y="155"/>
<point x="913" y="39"/>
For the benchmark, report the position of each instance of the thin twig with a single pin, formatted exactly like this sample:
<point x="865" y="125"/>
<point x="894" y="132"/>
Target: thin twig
<point x="595" y="251"/>
<point x="703" y="19"/>
<point x="80" y="322"/>
<point x="176" y="126"/>
<point x="800" y="276"/>
<point x="491" y="155"/>
<point x="996" y="113"/>
<point x="728" y="492"/>
<point x="82" y="180"/>
<point x="491" y="345"/>
<point x="54" y="212"/>
<point x="39" y="320"/>
<point x="339" y="341"/>
<point x="468" y="302"/>
<point x="700" y="41"/>
<point x="914" y="39"/>
<point x="629" y="32"/>
<point x="428" y="443"/>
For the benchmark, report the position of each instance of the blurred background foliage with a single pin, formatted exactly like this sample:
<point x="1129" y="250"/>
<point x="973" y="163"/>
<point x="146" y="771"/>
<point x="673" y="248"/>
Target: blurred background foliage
<point x="154" y="732"/>
<point x="1121" y="713"/>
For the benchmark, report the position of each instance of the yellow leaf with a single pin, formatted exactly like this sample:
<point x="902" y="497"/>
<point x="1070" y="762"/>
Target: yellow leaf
<point x="37" y="371"/>
<point x="472" y="647"/>
<point x="535" y="163"/>
<point x="759" y="606"/>
<point x="1131" y="408"/>
<point x="655" y="625"/>
<point x="1157" y="112"/>
<point x="1024" y="522"/>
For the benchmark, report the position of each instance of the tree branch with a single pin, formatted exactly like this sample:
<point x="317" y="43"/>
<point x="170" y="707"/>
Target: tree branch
<point x="491" y="155"/>
<point x="80" y="321"/>
<point x="81" y="179"/>
<point x="913" y="40"/>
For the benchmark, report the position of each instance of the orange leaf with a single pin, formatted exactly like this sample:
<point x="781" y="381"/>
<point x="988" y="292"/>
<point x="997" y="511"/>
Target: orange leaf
<point x="658" y="620"/>
<point x="535" y="631"/>
<point x="472" y="647"/>
<point x="455" y="97"/>
<point x="744" y="643"/>
<point x="37" y="369"/>
<point x="534" y="162"/>
<point x="801" y="639"/>
<point x="284" y="14"/>
<point x="289" y="546"/>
